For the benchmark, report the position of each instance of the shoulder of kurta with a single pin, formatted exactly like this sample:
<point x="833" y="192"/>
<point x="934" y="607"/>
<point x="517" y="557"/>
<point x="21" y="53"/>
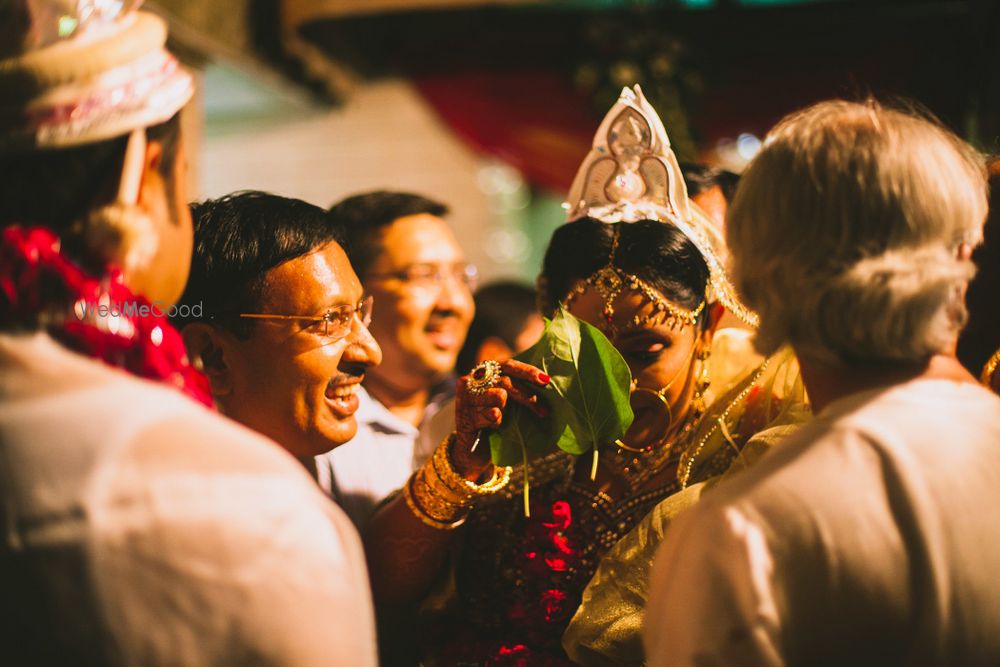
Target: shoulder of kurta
<point x="203" y="529"/>
<point x="218" y="466"/>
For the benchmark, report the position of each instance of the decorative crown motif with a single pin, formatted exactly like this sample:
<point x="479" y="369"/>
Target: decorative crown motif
<point x="632" y="174"/>
<point x="76" y="71"/>
<point x="45" y="22"/>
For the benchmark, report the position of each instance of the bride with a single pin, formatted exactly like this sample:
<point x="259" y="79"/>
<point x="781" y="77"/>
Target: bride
<point x="454" y="559"/>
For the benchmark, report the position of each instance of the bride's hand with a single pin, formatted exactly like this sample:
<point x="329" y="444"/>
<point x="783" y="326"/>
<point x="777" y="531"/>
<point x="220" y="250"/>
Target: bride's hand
<point x="481" y="398"/>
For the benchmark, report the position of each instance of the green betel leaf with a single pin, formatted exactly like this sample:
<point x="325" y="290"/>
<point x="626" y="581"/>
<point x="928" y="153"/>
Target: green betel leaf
<point x="593" y="380"/>
<point x="523" y="436"/>
<point x="588" y="395"/>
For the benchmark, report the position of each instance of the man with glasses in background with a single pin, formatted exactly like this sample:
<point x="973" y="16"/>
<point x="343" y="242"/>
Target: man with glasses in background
<point x="282" y="333"/>
<point x="409" y="260"/>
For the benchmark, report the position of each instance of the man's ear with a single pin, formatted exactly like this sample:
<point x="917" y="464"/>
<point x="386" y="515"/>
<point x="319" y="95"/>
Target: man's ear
<point x="151" y="160"/>
<point x="152" y="196"/>
<point x="209" y="351"/>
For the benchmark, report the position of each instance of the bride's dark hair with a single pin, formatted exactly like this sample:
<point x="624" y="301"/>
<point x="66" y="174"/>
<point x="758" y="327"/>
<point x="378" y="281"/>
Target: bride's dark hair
<point x="654" y="251"/>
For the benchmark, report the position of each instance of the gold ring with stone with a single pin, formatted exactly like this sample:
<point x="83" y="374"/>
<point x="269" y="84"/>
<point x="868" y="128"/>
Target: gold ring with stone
<point x="484" y="376"/>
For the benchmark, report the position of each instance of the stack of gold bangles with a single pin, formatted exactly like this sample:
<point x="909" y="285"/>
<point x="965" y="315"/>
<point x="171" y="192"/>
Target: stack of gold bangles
<point x="440" y="497"/>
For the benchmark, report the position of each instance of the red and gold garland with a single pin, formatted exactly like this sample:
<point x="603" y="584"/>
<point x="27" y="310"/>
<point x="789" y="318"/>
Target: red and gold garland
<point x="40" y="288"/>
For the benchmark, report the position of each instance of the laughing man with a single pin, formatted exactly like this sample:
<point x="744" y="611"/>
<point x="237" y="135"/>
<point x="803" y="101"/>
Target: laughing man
<point x="283" y="337"/>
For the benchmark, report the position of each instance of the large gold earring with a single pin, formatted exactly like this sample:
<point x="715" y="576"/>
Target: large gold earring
<point x="702" y="381"/>
<point x="661" y="396"/>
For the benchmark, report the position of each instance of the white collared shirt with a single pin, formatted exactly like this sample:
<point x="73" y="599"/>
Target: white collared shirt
<point x="361" y="473"/>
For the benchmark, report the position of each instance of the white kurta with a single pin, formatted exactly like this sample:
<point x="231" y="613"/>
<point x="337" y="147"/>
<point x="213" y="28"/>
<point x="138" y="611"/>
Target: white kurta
<point x="378" y="460"/>
<point x="143" y="529"/>
<point x="871" y="537"/>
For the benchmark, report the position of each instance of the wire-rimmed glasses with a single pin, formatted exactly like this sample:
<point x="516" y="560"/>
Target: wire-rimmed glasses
<point x="336" y="321"/>
<point x="428" y="276"/>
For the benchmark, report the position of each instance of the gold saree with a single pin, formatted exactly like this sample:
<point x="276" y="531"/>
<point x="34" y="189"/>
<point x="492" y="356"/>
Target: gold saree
<point x="757" y="411"/>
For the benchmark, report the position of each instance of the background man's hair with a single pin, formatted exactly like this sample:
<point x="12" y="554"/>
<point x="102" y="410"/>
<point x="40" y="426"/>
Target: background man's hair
<point x="237" y="240"/>
<point x="701" y="177"/>
<point x="363" y="216"/>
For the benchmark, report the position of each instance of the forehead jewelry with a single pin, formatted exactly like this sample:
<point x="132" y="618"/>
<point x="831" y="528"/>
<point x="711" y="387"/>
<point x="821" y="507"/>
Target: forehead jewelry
<point x="609" y="281"/>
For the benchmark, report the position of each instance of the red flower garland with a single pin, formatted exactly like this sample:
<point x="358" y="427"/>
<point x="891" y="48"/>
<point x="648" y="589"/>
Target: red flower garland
<point x="41" y="287"/>
<point x="536" y="619"/>
<point x="547" y="556"/>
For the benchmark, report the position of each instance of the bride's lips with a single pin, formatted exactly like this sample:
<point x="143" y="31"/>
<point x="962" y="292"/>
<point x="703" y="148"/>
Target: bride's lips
<point x="343" y="398"/>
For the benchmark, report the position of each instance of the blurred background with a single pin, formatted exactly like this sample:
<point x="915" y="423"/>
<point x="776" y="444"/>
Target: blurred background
<point x="489" y="105"/>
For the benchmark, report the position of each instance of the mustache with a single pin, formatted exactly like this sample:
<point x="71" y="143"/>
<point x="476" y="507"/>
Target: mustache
<point x="348" y="373"/>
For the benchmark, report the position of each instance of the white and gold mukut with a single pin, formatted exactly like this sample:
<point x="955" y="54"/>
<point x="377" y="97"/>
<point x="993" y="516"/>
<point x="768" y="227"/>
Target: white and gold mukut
<point x="632" y="174"/>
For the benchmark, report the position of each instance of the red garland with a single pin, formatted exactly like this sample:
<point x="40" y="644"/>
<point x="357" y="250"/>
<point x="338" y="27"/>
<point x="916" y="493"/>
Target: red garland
<point x="39" y="286"/>
<point x="548" y="554"/>
<point x="538" y="618"/>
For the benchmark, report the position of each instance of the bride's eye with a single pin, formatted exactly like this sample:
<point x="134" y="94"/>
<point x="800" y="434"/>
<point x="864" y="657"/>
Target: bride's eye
<point x="645" y="353"/>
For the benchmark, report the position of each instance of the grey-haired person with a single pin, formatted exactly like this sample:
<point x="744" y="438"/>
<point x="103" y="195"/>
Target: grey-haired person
<point x="867" y="537"/>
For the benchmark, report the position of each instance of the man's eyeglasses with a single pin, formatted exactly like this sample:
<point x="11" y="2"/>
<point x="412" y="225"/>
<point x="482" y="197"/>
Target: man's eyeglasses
<point x="429" y="276"/>
<point x="336" y="322"/>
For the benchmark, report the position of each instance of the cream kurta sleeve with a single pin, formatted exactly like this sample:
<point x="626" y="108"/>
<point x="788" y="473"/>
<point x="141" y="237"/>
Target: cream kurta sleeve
<point x="722" y="572"/>
<point x="238" y="560"/>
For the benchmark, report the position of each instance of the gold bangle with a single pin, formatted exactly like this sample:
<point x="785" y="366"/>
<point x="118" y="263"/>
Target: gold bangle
<point x="434" y="481"/>
<point x="445" y="471"/>
<point x="424" y="518"/>
<point x="433" y="503"/>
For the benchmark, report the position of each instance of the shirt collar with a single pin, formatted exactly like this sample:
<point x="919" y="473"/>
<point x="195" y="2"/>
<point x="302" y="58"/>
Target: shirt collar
<point x="372" y="412"/>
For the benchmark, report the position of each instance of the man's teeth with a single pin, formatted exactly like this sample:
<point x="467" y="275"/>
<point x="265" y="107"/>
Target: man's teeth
<point x="341" y="391"/>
